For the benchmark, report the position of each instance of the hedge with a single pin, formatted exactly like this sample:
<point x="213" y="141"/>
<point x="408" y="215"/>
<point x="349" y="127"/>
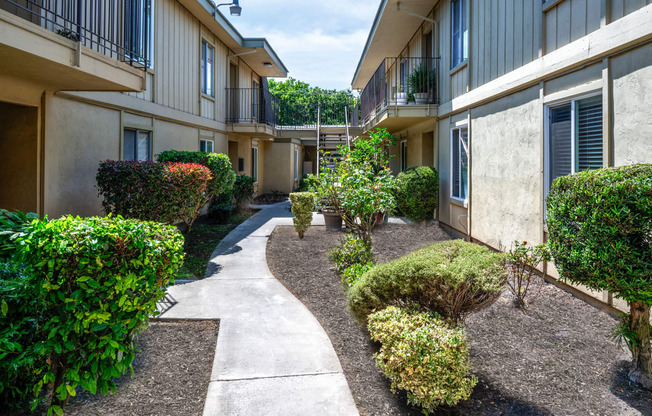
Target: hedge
<point x="162" y="192"/>
<point x="83" y="290"/>
<point x="422" y="355"/>
<point x="452" y="278"/>
<point x="417" y="193"/>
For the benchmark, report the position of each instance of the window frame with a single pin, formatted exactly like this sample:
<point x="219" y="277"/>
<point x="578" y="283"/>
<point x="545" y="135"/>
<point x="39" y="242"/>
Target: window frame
<point x="131" y="42"/>
<point x="573" y="100"/>
<point x="150" y="144"/>
<point x="206" y="141"/>
<point x="254" y="164"/>
<point x="204" y="74"/>
<point x="403" y="155"/>
<point x="459" y="43"/>
<point x="458" y="164"/>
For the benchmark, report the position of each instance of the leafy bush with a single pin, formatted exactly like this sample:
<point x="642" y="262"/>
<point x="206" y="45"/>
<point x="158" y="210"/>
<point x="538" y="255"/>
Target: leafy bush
<point x="453" y="278"/>
<point x="87" y="288"/>
<point x="351" y="274"/>
<point x="523" y="260"/>
<point x="243" y="190"/>
<point x="417" y="192"/>
<point x="303" y="203"/>
<point x="422" y="355"/>
<point x="351" y="251"/>
<point x="308" y="183"/>
<point x="218" y="163"/>
<point x="600" y="228"/>
<point x="10" y="224"/>
<point x="163" y="192"/>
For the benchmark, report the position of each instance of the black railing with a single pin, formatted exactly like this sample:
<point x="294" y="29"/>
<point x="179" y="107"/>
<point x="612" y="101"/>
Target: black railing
<point x="249" y="105"/>
<point x="118" y="29"/>
<point x="399" y="81"/>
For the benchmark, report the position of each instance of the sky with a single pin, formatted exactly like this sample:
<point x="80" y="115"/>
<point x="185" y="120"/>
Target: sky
<point x="319" y="41"/>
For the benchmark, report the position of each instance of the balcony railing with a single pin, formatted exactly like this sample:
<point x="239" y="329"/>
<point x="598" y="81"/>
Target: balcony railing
<point x="118" y="29"/>
<point x="399" y="81"/>
<point x="257" y="105"/>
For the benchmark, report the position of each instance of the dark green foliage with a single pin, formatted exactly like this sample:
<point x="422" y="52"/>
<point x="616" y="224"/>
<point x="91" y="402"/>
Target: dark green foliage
<point x="453" y="278"/>
<point x="162" y="192"/>
<point x="351" y="251"/>
<point x="218" y="163"/>
<point x="308" y="183"/>
<point x="12" y="222"/>
<point x="599" y="224"/>
<point x="86" y="287"/>
<point x="243" y="190"/>
<point x="417" y="193"/>
<point x="422" y="355"/>
<point x="303" y="204"/>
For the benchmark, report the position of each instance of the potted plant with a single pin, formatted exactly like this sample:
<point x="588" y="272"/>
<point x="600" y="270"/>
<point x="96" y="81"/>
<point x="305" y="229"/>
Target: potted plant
<point x="421" y="83"/>
<point x="401" y="95"/>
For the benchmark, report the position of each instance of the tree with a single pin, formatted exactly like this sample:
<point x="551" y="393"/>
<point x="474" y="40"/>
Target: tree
<point x="600" y="235"/>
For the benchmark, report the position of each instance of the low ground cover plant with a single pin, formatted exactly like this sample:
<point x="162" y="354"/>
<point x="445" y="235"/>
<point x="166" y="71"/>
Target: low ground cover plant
<point x="452" y="278"/>
<point x="162" y="192"/>
<point x="77" y="292"/>
<point x="423" y="355"/>
<point x="417" y="193"/>
<point x="303" y="203"/>
<point x="600" y="228"/>
<point x="523" y="260"/>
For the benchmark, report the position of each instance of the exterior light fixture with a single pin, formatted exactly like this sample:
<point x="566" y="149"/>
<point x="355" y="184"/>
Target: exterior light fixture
<point x="235" y="8"/>
<point x="267" y="64"/>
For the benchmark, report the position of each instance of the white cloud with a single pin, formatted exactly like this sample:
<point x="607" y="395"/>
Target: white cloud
<point x="320" y="42"/>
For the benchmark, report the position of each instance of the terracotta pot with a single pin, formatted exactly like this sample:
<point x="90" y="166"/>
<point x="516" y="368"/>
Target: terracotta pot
<point x="333" y="221"/>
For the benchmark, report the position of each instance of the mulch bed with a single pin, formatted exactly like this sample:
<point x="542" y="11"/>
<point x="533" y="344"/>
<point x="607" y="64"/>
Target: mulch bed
<point x="556" y="358"/>
<point x="268" y="199"/>
<point x="172" y="373"/>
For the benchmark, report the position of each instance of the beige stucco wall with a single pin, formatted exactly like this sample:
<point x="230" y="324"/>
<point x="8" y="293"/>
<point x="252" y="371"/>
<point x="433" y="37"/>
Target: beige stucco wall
<point x="506" y="170"/>
<point x="632" y="102"/>
<point x="279" y="167"/>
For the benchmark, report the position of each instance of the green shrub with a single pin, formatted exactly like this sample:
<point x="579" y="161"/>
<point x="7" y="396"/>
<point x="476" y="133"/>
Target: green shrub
<point x="423" y="356"/>
<point x="308" y="183"/>
<point x="351" y="274"/>
<point x="303" y="203"/>
<point x="87" y="288"/>
<point x="417" y="193"/>
<point x="162" y="192"/>
<point x="352" y="250"/>
<point x="453" y="278"/>
<point x="523" y="260"/>
<point x="218" y="163"/>
<point x="10" y="224"/>
<point x="600" y="228"/>
<point x="243" y="190"/>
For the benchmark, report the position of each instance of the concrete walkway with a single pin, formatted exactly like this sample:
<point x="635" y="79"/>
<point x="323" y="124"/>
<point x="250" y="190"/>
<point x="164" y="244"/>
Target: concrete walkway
<point x="272" y="355"/>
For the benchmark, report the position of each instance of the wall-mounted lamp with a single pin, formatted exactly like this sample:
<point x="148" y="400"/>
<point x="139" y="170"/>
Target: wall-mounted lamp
<point x="235" y="8"/>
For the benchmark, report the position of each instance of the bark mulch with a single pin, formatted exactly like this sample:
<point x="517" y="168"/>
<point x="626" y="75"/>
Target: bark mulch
<point x="172" y="373"/>
<point x="554" y="359"/>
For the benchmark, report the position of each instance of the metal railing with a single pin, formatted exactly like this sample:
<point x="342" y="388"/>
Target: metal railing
<point x="118" y="29"/>
<point x="257" y="105"/>
<point x="400" y="81"/>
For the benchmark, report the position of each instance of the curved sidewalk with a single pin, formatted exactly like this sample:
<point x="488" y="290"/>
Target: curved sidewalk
<point x="272" y="355"/>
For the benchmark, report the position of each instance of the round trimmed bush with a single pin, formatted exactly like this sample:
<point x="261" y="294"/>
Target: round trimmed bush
<point x="417" y="193"/>
<point x="600" y="235"/>
<point x="422" y="355"/>
<point x="453" y="278"/>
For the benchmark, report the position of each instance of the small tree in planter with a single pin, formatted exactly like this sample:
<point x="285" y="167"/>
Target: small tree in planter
<point x="600" y="232"/>
<point x="361" y="184"/>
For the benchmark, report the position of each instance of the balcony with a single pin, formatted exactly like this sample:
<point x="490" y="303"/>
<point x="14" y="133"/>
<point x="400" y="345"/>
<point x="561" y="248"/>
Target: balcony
<point x="402" y="92"/>
<point x="81" y="45"/>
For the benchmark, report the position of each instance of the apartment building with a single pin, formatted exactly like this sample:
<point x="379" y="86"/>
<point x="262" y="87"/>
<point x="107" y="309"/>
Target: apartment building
<point x="509" y="95"/>
<point x="90" y="80"/>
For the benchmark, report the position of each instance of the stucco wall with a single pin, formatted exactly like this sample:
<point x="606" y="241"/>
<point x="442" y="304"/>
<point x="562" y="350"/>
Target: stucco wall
<point x="168" y="135"/>
<point x="18" y="157"/>
<point x="505" y="170"/>
<point x="632" y="102"/>
<point x="279" y="171"/>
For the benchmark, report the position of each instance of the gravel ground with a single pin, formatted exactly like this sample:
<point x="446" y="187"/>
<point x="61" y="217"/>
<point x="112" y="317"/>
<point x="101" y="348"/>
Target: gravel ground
<point x="171" y="374"/>
<point x="554" y="359"/>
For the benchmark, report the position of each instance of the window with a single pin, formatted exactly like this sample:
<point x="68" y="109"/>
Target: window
<point x="206" y="145"/>
<point x="254" y="163"/>
<point x="296" y="164"/>
<point x="459" y="33"/>
<point x="207" y="71"/>
<point x="574" y="138"/>
<point x="137" y="145"/>
<point x="255" y="99"/>
<point x="138" y="31"/>
<point x="460" y="163"/>
<point x="403" y="155"/>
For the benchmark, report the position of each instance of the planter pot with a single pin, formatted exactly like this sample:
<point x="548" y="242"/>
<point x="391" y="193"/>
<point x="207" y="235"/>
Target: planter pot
<point x="380" y="220"/>
<point x="421" y="98"/>
<point x="401" y="98"/>
<point x="332" y="220"/>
